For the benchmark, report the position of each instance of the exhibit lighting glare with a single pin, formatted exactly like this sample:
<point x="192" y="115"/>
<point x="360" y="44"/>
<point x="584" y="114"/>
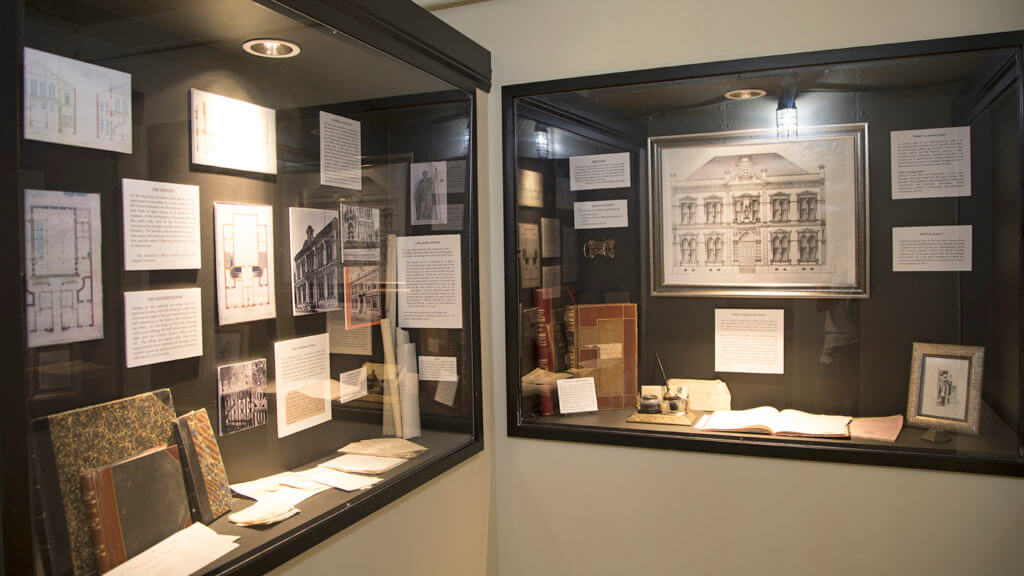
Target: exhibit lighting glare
<point x="271" y="48"/>
<point x="543" y="139"/>
<point x="785" y="115"/>
<point x="745" y="94"/>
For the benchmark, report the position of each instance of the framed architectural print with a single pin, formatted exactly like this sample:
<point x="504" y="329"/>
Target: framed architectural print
<point x="745" y="213"/>
<point x="945" y="387"/>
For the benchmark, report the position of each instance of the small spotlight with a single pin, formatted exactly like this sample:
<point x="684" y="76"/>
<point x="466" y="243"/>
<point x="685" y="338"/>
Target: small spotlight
<point x="745" y="94"/>
<point x="785" y="115"/>
<point x="271" y="48"/>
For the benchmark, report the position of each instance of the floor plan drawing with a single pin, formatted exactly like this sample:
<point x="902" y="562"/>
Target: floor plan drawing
<point x="63" y="280"/>
<point x="245" y="262"/>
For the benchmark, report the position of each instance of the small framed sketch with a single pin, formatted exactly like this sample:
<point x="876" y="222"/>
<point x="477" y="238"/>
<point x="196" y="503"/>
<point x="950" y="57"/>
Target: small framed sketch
<point x="945" y="387"/>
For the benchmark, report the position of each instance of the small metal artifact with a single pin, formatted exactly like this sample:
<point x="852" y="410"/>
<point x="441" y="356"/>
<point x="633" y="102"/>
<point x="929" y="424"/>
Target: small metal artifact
<point x="595" y="248"/>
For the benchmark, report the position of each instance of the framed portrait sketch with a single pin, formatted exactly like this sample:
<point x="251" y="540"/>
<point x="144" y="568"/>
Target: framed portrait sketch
<point x="945" y="387"/>
<point x="746" y="214"/>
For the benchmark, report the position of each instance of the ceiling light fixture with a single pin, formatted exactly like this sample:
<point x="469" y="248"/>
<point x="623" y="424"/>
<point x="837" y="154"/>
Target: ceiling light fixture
<point x="271" y="48"/>
<point x="785" y="115"/>
<point x="745" y="94"/>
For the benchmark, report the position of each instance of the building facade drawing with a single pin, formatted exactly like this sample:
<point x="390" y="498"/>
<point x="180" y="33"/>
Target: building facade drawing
<point x="362" y="284"/>
<point x="316" y="270"/>
<point x="749" y="213"/>
<point x="113" y="121"/>
<point x="50" y="102"/>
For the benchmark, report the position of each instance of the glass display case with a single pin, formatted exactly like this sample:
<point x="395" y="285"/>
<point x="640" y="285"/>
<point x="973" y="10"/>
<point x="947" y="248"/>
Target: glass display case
<point x="243" y="288"/>
<point x="811" y="256"/>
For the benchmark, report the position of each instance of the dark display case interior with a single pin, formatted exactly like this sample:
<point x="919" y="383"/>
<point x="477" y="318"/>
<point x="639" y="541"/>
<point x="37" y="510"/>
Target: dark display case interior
<point x="254" y="138"/>
<point x="782" y="226"/>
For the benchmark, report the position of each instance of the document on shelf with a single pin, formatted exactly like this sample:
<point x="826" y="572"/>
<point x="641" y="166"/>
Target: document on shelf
<point x="182" y="553"/>
<point x="768" y="420"/>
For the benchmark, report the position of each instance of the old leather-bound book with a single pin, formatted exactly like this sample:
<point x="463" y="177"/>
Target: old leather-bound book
<point x="134" y="503"/>
<point x="206" y="480"/>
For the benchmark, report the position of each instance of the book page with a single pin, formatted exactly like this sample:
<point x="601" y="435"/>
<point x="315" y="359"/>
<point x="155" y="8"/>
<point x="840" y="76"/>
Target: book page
<point x="760" y="419"/>
<point x="797" y="423"/>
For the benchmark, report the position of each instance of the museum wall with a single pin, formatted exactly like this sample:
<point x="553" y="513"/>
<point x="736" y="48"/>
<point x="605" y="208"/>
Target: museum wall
<point x="587" y="509"/>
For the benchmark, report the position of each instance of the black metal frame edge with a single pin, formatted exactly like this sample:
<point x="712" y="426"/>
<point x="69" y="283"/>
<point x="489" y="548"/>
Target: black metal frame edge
<point x="906" y="458"/>
<point x="405" y="31"/>
<point x="14" y="489"/>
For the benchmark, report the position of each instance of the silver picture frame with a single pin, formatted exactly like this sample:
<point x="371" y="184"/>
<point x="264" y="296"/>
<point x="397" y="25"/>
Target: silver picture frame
<point x="746" y="214"/>
<point x="945" y="387"/>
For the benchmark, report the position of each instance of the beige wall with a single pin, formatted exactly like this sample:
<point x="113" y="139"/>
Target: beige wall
<point x="570" y="509"/>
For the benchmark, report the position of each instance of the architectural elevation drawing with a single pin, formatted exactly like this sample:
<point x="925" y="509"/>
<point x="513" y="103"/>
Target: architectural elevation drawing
<point x="244" y="242"/>
<point x="75" y="103"/>
<point x="63" y="279"/>
<point x="234" y="134"/>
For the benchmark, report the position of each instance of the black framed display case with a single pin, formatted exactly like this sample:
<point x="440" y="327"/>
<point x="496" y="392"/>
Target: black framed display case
<point x="261" y="210"/>
<point x="833" y="233"/>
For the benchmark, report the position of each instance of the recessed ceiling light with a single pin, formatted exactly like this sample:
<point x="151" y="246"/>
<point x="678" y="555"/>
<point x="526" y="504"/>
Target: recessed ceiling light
<point x="271" y="48"/>
<point x="745" y="94"/>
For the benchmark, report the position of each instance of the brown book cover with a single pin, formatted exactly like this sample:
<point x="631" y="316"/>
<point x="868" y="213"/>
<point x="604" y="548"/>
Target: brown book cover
<point x="206" y="480"/>
<point x="133" y="504"/>
<point x="68" y="443"/>
<point x="604" y="345"/>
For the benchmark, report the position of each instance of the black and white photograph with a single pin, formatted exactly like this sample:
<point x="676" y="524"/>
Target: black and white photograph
<point x="242" y="396"/>
<point x="428" y="193"/>
<point x="738" y="213"/>
<point x="529" y="256"/>
<point x="945" y="387"/>
<point x="362" y="296"/>
<point x="360" y="233"/>
<point x="316" y="262"/>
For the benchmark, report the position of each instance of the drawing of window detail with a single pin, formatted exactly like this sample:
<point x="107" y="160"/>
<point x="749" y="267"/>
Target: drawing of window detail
<point x="780" y="208"/>
<point x="713" y="210"/>
<point x="714" y="247"/>
<point x="780" y="248"/>
<point x="687" y="211"/>
<point x="747" y="209"/>
<point x="808" y="203"/>
<point x="64" y="292"/>
<point x="51" y="102"/>
<point x="688" y="250"/>
<point x="809" y="247"/>
<point x="112" y="118"/>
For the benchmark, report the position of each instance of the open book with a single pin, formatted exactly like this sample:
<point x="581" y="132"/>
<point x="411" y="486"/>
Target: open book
<point x="768" y="420"/>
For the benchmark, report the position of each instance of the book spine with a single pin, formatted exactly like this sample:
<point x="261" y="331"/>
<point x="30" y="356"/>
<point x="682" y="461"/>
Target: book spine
<point x="194" y="486"/>
<point x="91" y="495"/>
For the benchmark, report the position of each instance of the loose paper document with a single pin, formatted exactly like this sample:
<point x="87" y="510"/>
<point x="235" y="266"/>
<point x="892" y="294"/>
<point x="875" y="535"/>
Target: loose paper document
<point x="356" y="341"/>
<point x="886" y="428"/>
<point x="362" y="464"/>
<point x="445" y="393"/>
<point x="162" y="325"/>
<point x="303" y="373"/>
<point x="438" y="368"/>
<point x="71" y="102"/>
<point x="340" y="480"/>
<point x="394" y="447"/>
<point x="430" y="280"/>
<point x="531" y="188"/>
<point x="263" y="513"/>
<point x="551" y="243"/>
<point x="932" y="249"/>
<point x="551" y="277"/>
<point x="161" y="225"/>
<point x="62" y="250"/>
<point x="749" y="341"/>
<point x="601" y="214"/>
<point x="340" y="156"/>
<point x="577" y="395"/>
<point x="182" y="553"/>
<point x="931" y="163"/>
<point x="233" y="133"/>
<point x="353" y="384"/>
<point x="599" y="171"/>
